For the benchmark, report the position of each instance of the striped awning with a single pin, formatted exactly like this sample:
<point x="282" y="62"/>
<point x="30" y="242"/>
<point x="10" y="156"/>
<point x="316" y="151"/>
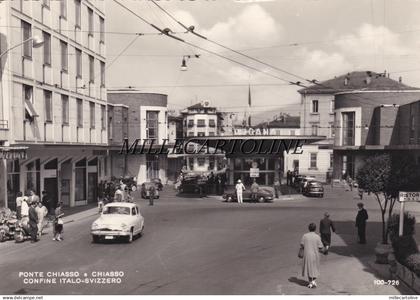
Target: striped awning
<point x="13" y="152"/>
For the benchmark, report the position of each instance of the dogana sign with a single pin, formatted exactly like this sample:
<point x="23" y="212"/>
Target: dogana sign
<point x="409" y="197"/>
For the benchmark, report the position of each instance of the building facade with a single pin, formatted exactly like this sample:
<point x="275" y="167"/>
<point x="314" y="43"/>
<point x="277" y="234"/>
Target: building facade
<point x="135" y="115"/>
<point x="53" y="97"/>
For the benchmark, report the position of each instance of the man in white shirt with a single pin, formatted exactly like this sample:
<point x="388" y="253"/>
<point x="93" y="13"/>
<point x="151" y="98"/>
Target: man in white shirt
<point x="239" y="189"/>
<point x="24" y="211"/>
<point x="119" y="195"/>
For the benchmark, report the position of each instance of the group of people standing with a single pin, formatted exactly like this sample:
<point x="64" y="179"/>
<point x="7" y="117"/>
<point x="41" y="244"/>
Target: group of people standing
<point x="312" y="244"/>
<point x="33" y="212"/>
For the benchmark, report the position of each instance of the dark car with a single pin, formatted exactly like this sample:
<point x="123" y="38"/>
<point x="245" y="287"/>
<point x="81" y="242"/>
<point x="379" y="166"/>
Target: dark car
<point x="297" y="180"/>
<point x="265" y="194"/>
<point x="313" y="188"/>
<point x="144" y="190"/>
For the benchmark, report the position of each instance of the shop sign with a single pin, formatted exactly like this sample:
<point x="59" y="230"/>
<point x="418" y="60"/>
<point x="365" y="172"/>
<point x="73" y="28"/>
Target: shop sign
<point x="254" y="172"/>
<point x="409" y="197"/>
<point x="12" y="153"/>
<point x="251" y="131"/>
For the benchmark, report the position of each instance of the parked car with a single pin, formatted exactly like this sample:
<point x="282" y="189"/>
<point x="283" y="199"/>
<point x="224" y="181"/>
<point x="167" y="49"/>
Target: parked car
<point x="297" y="180"/>
<point x="314" y="188"/>
<point x="158" y="183"/>
<point x="265" y="194"/>
<point x="119" y="219"/>
<point x="305" y="179"/>
<point x="144" y="190"/>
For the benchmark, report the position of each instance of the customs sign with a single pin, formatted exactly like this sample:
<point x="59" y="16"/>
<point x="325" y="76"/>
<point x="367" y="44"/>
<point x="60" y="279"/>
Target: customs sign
<point x="409" y="197"/>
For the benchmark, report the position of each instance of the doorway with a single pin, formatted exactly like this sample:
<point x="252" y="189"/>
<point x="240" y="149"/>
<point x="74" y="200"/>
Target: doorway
<point x="50" y="186"/>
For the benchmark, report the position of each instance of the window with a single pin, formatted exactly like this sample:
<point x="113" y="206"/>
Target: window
<point x="102" y="74"/>
<point x="77" y="14"/>
<point x="28" y="93"/>
<point x="412" y="128"/>
<point x="91" y="69"/>
<point x="201" y="161"/>
<point x="190" y="123"/>
<point x="30" y="112"/>
<point x="65" y="109"/>
<point x="92" y="114"/>
<point x="48" y="106"/>
<point x="212" y="123"/>
<point x="201" y="123"/>
<point x="152" y="125"/>
<point x="63" y="8"/>
<point x="190" y="133"/>
<point x="315" y="130"/>
<point x="332" y="130"/>
<point x="313" y="161"/>
<point x="47" y="48"/>
<point x="64" y="56"/>
<point x="201" y="133"/>
<point x="103" y="117"/>
<point x="26" y="34"/>
<point x="315" y="106"/>
<point x="211" y="133"/>
<point x="332" y="107"/>
<point x="78" y="63"/>
<point x="102" y="30"/>
<point x="79" y="113"/>
<point x="292" y="132"/>
<point x="348" y="128"/>
<point x="331" y="160"/>
<point x="90" y="14"/>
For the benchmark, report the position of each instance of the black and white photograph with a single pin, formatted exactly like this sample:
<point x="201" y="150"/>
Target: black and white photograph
<point x="209" y="148"/>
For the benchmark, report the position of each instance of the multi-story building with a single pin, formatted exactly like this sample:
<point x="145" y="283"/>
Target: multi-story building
<point x="136" y="115"/>
<point x="381" y="114"/>
<point x="53" y="97"/>
<point x="201" y="119"/>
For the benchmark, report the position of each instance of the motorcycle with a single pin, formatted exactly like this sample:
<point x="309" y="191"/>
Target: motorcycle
<point x="22" y="232"/>
<point x="8" y="221"/>
<point x="4" y="230"/>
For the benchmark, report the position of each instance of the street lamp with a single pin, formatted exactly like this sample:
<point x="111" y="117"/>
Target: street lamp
<point x="36" y="42"/>
<point x="184" y="61"/>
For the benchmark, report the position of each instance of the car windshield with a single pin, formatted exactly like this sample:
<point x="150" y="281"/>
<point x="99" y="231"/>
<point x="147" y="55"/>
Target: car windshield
<point x="116" y="210"/>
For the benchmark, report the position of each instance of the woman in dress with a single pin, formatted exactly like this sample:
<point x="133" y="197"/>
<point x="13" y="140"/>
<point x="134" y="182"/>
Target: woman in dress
<point x="311" y="244"/>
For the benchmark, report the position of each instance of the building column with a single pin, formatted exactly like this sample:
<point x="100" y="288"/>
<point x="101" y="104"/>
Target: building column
<point x="73" y="184"/>
<point x="3" y="182"/>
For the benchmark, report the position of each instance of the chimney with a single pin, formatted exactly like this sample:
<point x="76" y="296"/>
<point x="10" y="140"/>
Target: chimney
<point x="368" y="77"/>
<point x="400" y="79"/>
<point x="346" y="80"/>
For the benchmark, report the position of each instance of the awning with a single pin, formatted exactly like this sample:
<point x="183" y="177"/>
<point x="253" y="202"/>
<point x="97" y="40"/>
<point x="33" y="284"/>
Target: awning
<point x="30" y="109"/>
<point x="13" y="152"/>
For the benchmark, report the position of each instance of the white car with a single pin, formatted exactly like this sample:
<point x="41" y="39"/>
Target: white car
<point x="118" y="219"/>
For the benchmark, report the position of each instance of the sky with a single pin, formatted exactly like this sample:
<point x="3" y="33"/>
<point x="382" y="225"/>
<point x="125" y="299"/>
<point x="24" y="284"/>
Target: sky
<point x="313" y="39"/>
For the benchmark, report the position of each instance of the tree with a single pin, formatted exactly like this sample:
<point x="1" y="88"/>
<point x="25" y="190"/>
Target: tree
<point x="384" y="175"/>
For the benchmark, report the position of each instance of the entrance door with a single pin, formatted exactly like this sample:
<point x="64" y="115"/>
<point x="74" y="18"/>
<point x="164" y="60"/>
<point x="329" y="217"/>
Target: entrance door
<point x="92" y="186"/>
<point x="296" y="165"/>
<point x="50" y="186"/>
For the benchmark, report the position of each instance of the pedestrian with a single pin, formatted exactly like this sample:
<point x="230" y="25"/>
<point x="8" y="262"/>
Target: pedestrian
<point x="19" y="200"/>
<point x="24" y="210"/>
<point x="41" y="212"/>
<point x="277" y="187"/>
<point x="58" y="223"/>
<point x="325" y="227"/>
<point x="288" y="175"/>
<point x="33" y="222"/>
<point x="311" y="244"/>
<point x="218" y="182"/>
<point x="152" y="193"/>
<point x="254" y="190"/>
<point x="46" y="201"/>
<point x="350" y="183"/>
<point x="119" y="194"/>
<point x="239" y="189"/>
<point x="33" y="197"/>
<point x="361" y="218"/>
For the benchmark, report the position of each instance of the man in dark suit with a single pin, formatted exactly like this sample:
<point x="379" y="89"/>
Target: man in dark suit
<point x="33" y="222"/>
<point x="325" y="227"/>
<point x="361" y="218"/>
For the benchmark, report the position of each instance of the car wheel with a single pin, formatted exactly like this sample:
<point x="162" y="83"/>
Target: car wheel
<point x="96" y="239"/>
<point x="229" y="199"/>
<point x="261" y="199"/>
<point x="130" y="236"/>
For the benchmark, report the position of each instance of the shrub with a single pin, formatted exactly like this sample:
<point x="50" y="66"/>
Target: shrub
<point x="413" y="263"/>
<point x="404" y="246"/>
<point x="394" y="225"/>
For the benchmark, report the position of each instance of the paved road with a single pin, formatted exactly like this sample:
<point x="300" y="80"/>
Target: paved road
<point x="198" y="246"/>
